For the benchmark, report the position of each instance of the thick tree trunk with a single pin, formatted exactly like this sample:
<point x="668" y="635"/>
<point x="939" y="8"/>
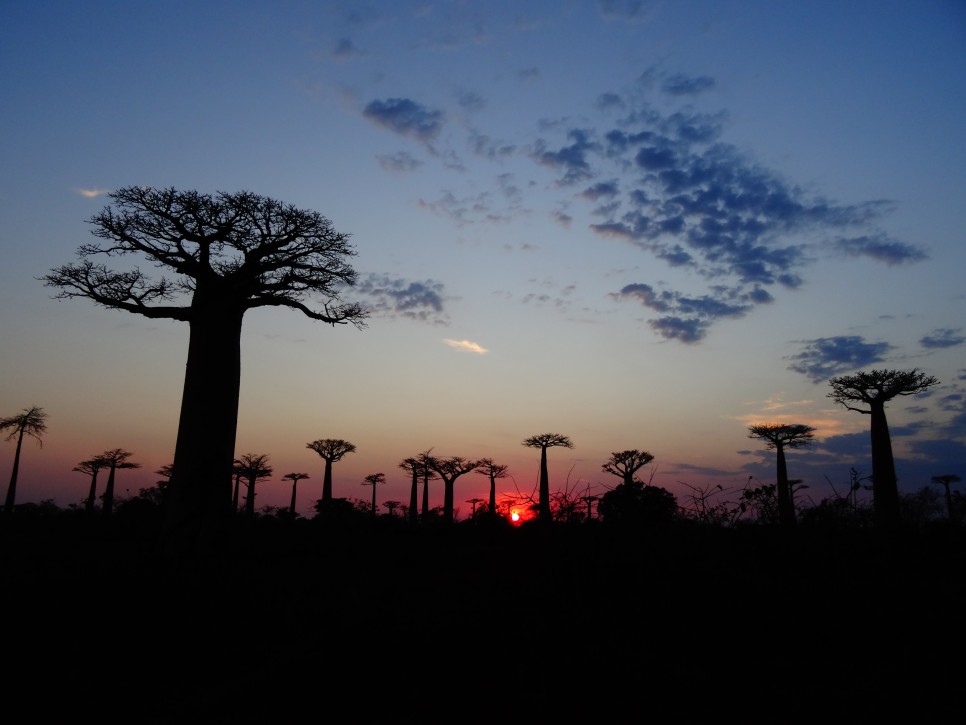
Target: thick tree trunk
<point x="414" y="498"/>
<point x="492" y="496"/>
<point x="108" y="507"/>
<point x="199" y="500"/>
<point x="543" y="505"/>
<point x="786" y="507"/>
<point x="448" y="500"/>
<point x="425" y="496"/>
<point x="885" y="487"/>
<point x="291" y="507"/>
<point x="250" y="499"/>
<point x="327" y="483"/>
<point x="89" y="506"/>
<point x="12" y="488"/>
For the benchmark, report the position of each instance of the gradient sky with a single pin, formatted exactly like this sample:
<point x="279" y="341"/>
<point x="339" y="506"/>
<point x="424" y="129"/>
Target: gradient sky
<point x="638" y="224"/>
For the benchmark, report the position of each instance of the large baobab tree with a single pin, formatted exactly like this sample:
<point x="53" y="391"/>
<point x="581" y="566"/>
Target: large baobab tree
<point x="492" y="471"/>
<point x="294" y="478"/>
<point x="779" y="436"/>
<point x="449" y="469"/>
<point x="374" y="479"/>
<point x="31" y="422"/>
<point x="90" y="467"/>
<point x="253" y="468"/>
<point x="543" y="442"/>
<point x="114" y="459"/>
<point x="229" y="253"/>
<point x="874" y="389"/>
<point x="415" y="469"/>
<point x="625" y="464"/>
<point x="331" y="450"/>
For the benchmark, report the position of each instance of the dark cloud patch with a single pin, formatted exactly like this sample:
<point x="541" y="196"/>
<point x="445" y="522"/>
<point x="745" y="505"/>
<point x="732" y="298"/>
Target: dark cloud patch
<point x="942" y="338"/>
<point x="685" y="318"/>
<point x="489" y="148"/>
<point x="470" y="101"/>
<point x="684" y="330"/>
<point x="881" y="248"/>
<point x="394" y="297"/>
<point x="398" y="163"/>
<point x="826" y="357"/>
<point x="571" y="159"/>
<point x="405" y="117"/>
<point x="601" y="190"/>
<point x="684" y="85"/>
<point x="528" y="74"/>
<point x="609" y="101"/>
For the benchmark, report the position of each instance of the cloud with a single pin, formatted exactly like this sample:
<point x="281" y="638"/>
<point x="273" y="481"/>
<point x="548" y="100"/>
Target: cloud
<point x="572" y="159"/>
<point x="399" y="163"/>
<point x="683" y="85"/>
<point x="466" y="346"/>
<point x="345" y="49"/>
<point x="92" y="193"/>
<point x="393" y="298"/>
<point x="881" y="248"/>
<point x="826" y="357"/>
<point x="405" y="117"/>
<point x="942" y="338"/>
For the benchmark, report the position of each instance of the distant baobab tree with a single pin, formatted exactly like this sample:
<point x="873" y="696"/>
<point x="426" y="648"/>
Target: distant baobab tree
<point x="391" y="506"/>
<point x="875" y="388"/>
<point x="779" y="436"/>
<point x="294" y="478"/>
<point x="331" y="450"/>
<point x="253" y="468"/>
<point x="945" y="481"/>
<point x="114" y="459"/>
<point x="492" y="471"/>
<point x="90" y="467"/>
<point x="543" y="442"/>
<point x="374" y="479"/>
<point x="30" y="422"/>
<point x="230" y="253"/>
<point x="414" y="468"/>
<point x="625" y="464"/>
<point x="427" y="474"/>
<point x="236" y="472"/>
<point x="449" y="469"/>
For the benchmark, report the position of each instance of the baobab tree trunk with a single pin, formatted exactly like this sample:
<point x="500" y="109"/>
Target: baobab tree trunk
<point x="786" y="507"/>
<point x="543" y="507"/>
<point x="327" y="483"/>
<point x="12" y="488"/>
<point x="448" y="500"/>
<point x="414" y="497"/>
<point x="89" y="506"/>
<point x="885" y="488"/>
<point x="199" y="501"/>
<point x="291" y="508"/>
<point x="108" y="508"/>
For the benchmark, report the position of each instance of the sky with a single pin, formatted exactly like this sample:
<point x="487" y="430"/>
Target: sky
<point x="642" y="225"/>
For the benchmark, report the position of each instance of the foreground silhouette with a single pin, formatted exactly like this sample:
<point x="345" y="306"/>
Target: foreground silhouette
<point x="30" y="422"/>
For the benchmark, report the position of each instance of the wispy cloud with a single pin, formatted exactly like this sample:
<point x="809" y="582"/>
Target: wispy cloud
<point x="825" y="357"/>
<point x="942" y="338"/>
<point x="881" y="248"/>
<point x="92" y="193"/>
<point x="466" y="346"/>
<point x="405" y="117"/>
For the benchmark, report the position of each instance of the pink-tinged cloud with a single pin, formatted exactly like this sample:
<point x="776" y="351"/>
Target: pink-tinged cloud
<point x="93" y="193"/>
<point x="466" y="346"/>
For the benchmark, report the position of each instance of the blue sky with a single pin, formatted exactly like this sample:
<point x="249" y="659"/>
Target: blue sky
<point x="639" y="224"/>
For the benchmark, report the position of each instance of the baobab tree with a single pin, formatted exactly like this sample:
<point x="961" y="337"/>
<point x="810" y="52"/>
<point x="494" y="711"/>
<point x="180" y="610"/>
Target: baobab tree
<point x="875" y="388"/>
<point x="331" y="450"/>
<point x="253" y="468"/>
<point x="449" y="469"/>
<point x="391" y="506"/>
<point x="946" y="481"/>
<point x="230" y="253"/>
<point x="374" y="479"/>
<point x="236" y="472"/>
<point x="415" y="469"/>
<point x="31" y="422"/>
<point x="779" y="436"/>
<point x="90" y="467"/>
<point x="114" y="459"/>
<point x="543" y="442"/>
<point x="294" y="478"/>
<point x="625" y="464"/>
<point x="492" y="471"/>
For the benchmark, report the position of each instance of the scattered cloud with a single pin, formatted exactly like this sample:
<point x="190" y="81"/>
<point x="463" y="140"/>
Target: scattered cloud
<point x="394" y="298"/>
<point x="466" y="346"/>
<point x="881" y="248"/>
<point x="405" y="117"/>
<point x="399" y="163"/>
<point x="684" y="85"/>
<point x="942" y="338"/>
<point x="93" y="193"/>
<point x="826" y="357"/>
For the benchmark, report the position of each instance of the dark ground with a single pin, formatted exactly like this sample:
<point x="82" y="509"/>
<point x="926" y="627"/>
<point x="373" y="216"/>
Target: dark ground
<point x="464" y="624"/>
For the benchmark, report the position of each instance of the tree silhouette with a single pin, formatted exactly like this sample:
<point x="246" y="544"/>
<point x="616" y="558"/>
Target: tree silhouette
<point x="624" y="464"/>
<point x="236" y="472"/>
<point x="230" y="253"/>
<point x="492" y="471"/>
<point x="779" y="436"/>
<point x="543" y="442"/>
<point x="449" y="469"/>
<point x="91" y="467"/>
<point x="253" y="468"/>
<point x="945" y="481"/>
<point x="294" y="478"/>
<point x="374" y="479"/>
<point x="427" y="474"/>
<point x="391" y="506"/>
<point x="331" y="450"/>
<point x="114" y="459"/>
<point x="28" y="422"/>
<point x="874" y="389"/>
<point x="415" y="469"/>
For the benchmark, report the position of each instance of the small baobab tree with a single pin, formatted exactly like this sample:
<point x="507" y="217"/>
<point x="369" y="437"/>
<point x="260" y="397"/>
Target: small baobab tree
<point x="626" y="464"/>
<point x="391" y="506"/>
<point x="91" y="467"/>
<point x="331" y="450"/>
<point x="449" y="469"/>
<point x="946" y="481"/>
<point x="114" y="460"/>
<point x="779" y="436"/>
<point x="374" y="479"/>
<point x="30" y="422"/>
<point x="543" y="442"/>
<point x="294" y="478"/>
<point x="874" y="389"/>
<point x="253" y="468"/>
<point x="492" y="471"/>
